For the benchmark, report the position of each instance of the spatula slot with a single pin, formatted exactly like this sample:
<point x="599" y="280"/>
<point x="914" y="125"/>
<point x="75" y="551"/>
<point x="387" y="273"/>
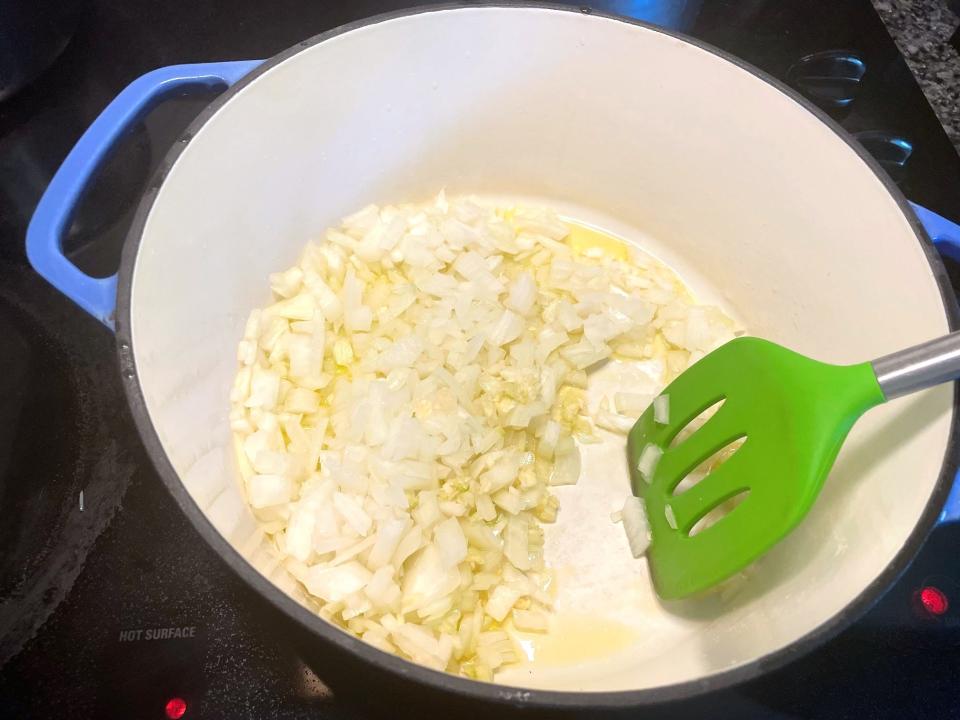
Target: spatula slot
<point x="698" y="473"/>
<point x="718" y="512"/>
<point x="687" y="428"/>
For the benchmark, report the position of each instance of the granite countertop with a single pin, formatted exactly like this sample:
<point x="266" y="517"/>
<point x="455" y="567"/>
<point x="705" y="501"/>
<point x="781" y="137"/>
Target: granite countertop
<point x="922" y="30"/>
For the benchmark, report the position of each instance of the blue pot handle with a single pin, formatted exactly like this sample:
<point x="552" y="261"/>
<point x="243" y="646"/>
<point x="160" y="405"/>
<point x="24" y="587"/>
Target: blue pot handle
<point x="945" y="234"/>
<point x="98" y="296"/>
<point x="946" y="238"/>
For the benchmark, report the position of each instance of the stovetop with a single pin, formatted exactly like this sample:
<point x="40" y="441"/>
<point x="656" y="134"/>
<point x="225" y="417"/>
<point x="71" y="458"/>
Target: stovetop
<point x="110" y="603"/>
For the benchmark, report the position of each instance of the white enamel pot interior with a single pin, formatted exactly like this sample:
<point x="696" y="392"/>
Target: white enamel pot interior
<point x="757" y="202"/>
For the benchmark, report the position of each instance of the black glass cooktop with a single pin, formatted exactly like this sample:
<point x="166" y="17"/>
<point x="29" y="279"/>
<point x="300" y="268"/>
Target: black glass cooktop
<point x="111" y="606"/>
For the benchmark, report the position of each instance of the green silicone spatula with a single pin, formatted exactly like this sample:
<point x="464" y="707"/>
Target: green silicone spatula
<point x="792" y="414"/>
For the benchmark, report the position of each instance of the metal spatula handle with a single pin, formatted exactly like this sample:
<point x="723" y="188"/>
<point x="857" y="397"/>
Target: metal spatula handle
<point x="919" y="367"/>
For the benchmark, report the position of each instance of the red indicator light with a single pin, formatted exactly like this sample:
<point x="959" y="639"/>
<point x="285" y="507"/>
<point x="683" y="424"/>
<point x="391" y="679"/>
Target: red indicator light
<point x="933" y="600"/>
<point x="175" y="708"/>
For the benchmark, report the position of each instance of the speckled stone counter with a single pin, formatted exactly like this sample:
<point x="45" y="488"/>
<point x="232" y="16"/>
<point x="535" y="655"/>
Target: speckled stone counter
<point x="922" y="30"/>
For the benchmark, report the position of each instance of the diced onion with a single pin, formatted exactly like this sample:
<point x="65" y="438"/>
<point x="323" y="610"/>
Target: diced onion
<point x="388" y="537"/>
<point x="523" y="293"/>
<point x="631" y="404"/>
<point x="661" y="410"/>
<point x="268" y="490"/>
<point x="333" y="584"/>
<point x="634" y="519"/>
<point x="409" y="397"/>
<point x="501" y="602"/>
<point x="566" y="467"/>
<point x="507" y="329"/>
<point x="647" y="463"/>
<point x="516" y="546"/>
<point x="450" y="540"/>
<point x="531" y="620"/>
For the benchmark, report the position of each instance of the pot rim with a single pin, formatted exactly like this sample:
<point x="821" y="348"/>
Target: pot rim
<point x="472" y="689"/>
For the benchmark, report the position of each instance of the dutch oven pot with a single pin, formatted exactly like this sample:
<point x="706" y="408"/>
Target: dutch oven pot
<point x="762" y="204"/>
